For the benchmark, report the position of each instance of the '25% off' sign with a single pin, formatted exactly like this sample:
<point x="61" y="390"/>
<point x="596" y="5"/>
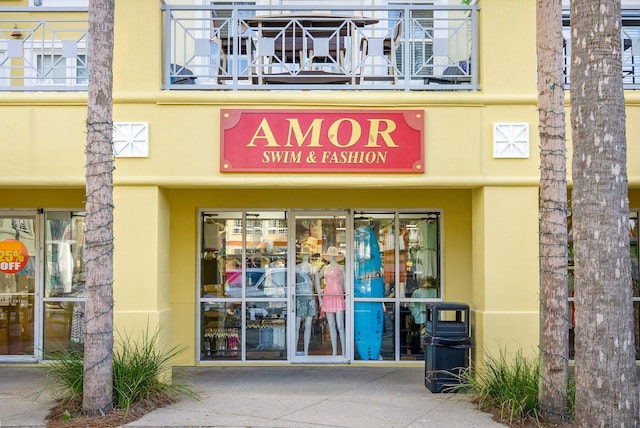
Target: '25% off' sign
<point x="13" y="256"/>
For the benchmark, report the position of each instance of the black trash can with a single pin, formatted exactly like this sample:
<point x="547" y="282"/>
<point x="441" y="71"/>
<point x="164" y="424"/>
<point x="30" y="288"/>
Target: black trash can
<point x="447" y="344"/>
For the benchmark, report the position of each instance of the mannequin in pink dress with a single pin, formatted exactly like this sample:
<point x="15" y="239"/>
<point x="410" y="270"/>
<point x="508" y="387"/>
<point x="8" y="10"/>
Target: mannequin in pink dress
<point x="332" y="301"/>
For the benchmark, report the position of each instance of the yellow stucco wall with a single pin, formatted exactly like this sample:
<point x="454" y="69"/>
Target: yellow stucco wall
<point x="42" y="198"/>
<point x="186" y="203"/>
<point x="508" y="66"/>
<point x="489" y="205"/>
<point x="505" y="288"/>
<point x="184" y="148"/>
<point x="141" y="260"/>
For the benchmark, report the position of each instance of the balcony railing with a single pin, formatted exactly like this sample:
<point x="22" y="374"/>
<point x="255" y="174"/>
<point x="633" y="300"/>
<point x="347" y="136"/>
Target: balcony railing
<point x="43" y="49"/>
<point x="248" y="46"/>
<point x="630" y="44"/>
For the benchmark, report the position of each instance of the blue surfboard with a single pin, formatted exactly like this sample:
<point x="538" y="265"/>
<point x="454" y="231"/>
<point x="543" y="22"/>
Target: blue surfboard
<point x="368" y="282"/>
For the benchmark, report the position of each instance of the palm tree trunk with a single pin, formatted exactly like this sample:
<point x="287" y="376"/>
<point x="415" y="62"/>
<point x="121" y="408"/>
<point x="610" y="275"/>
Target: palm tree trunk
<point x="98" y="350"/>
<point x="554" y="326"/>
<point x="606" y="385"/>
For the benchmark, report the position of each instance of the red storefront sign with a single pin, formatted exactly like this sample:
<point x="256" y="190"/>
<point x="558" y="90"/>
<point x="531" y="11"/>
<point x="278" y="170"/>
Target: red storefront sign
<point x="322" y="140"/>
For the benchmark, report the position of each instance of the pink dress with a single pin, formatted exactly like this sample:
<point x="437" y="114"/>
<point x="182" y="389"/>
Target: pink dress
<point x="333" y="295"/>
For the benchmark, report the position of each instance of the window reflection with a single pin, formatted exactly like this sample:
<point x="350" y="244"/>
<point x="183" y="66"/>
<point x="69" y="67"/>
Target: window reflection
<point x="220" y="336"/>
<point x="409" y="245"/>
<point x="388" y="347"/>
<point x="247" y="283"/>
<point x="266" y="331"/>
<point x="64" y="327"/>
<point x="64" y="283"/>
<point x="422" y="239"/>
<point x="64" y="266"/>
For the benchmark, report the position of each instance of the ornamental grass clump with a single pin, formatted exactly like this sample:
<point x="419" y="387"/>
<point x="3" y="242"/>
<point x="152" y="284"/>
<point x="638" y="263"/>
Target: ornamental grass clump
<point x="140" y="371"/>
<point x="506" y="385"/>
<point x="64" y="376"/>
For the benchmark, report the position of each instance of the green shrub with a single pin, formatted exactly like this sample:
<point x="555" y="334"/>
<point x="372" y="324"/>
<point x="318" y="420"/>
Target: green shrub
<point x="64" y="376"/>
<point x="571" y="394"/>
<point x="139" y="368"/>
<point x="506" y="384"/>
<point x="510" y="387"/>
<point x="139" y="371"/>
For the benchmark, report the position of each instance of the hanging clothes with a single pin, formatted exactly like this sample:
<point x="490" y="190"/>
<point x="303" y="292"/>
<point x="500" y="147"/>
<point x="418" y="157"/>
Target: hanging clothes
<point x="389" y="256"/>
<point x="428" y="253"/>
<point x="65" y="266"/>
<point x="212" y="232"/>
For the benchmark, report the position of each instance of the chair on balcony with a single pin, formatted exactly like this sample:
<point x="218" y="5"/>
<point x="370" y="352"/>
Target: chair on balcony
<point x="385" y="48"/>
<point x="223" y="38"/>
<point x="279" y="55"/>
<point x="453" y="74"/>
<point x="323" y="52"/>
<point x="285" y="60"/>
<point x="282" y="49"/>
<point x="181" y="75"/>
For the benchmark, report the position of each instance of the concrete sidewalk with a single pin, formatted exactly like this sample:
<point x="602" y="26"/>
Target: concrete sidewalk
<point x="276" y="396"/>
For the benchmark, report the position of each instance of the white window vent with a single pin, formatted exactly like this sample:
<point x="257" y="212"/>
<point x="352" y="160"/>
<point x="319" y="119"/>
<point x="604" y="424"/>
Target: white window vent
<point x="511" y="140"/>
<point x="131" y="139"/>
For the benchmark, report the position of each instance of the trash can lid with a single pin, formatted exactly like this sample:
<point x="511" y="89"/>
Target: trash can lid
<point x="447" y="306"/>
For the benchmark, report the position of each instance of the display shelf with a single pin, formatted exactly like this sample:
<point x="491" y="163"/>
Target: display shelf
<point x="221" y="342"/>
<point x="267" y="334"/>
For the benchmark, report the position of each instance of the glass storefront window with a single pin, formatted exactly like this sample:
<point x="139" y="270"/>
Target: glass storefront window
<point x="63" y="327"/>
<point x="18" y="264"/>
<point x="388" y="346"/>
<point x="421" y="240"/>
<point x="266" y="331"/>
<point x="243" y="285"/>
<point x="64" y="252"/>
<point x="221" y="244"/>
<point x="64" y="282"/>
<point x="266" y="280"/>
<point x="220" y="280"/>
<point x="409" y="245"/>
<point x="323" y="286"/>
<point x="42" y="283"/>
<point x="221" y="331"/>
<point x="320" y="303"/>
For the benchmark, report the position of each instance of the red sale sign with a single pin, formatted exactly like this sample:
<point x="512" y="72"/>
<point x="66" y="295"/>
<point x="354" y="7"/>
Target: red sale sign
<point x="13" y="256"/>
<point x="322" y="140"/>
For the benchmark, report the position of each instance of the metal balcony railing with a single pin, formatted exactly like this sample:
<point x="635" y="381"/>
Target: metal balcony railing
<point x="630" y="48"/>
<point x="249" y="46"/>
<point x="43" y="49"/>
<point x="300" y="45"/>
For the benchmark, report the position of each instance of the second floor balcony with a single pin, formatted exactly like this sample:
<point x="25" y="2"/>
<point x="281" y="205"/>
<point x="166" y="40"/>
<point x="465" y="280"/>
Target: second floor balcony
<point x="43" y="49"/>
<point x="288" y="44"/>
<point x="250" y="46"/>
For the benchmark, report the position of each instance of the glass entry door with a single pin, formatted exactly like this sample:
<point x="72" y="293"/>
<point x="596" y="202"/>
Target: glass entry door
<point x="17" y="286"/>
<point x="320" y="300"/>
